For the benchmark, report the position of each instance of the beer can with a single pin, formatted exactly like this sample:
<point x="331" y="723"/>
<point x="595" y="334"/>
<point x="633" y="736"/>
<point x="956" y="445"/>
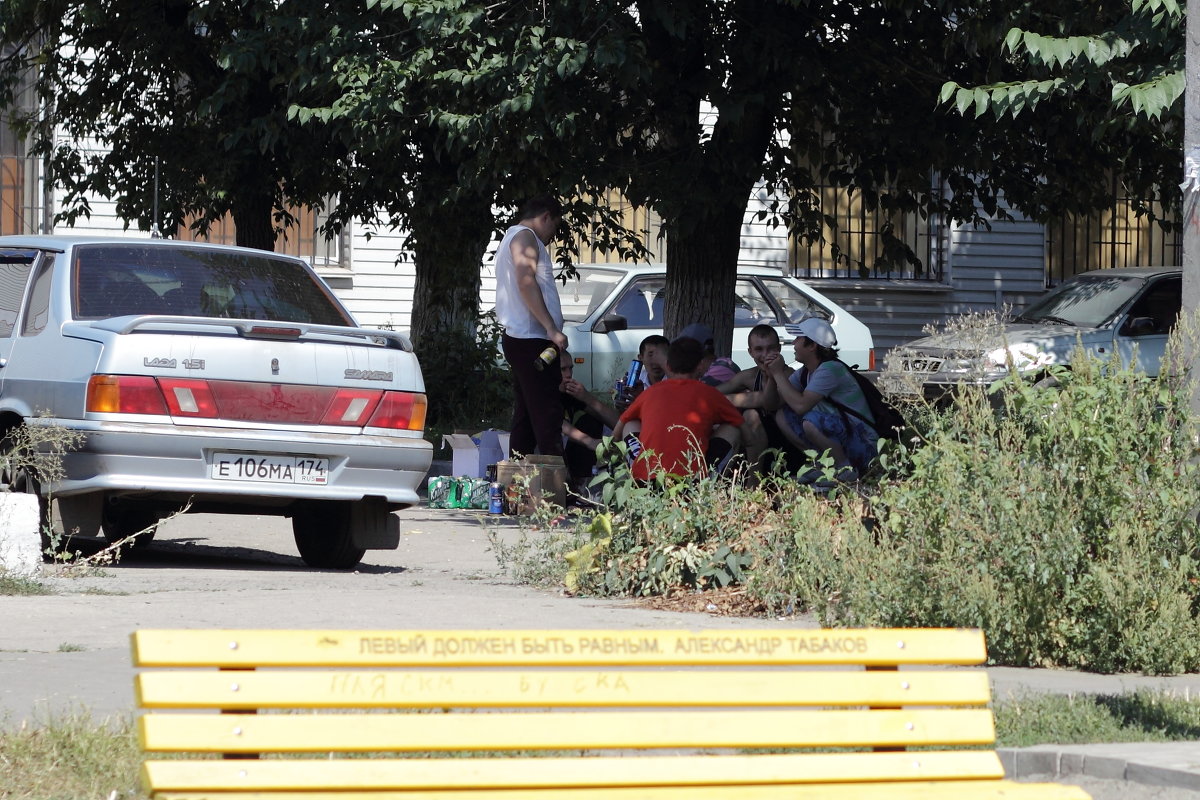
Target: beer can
<point x="634" y="374"/>
<point x="495" y="498"/>
<point x="634" y="445"/>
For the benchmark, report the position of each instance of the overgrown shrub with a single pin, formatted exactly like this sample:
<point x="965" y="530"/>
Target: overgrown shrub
<point x="1062" y="523"/>
<point x="1061" y="519"/>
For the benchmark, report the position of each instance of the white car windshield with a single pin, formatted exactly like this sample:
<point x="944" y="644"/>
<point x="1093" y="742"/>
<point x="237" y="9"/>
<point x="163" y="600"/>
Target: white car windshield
<point x="1086" y="302"/>
<point x="581" y="294"/>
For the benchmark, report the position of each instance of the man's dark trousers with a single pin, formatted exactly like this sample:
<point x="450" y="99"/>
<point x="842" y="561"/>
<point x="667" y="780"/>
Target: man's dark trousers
<point x="537" y="408"/>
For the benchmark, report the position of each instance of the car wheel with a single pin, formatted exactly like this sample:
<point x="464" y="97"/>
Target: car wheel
<point x="325" y="537"/>
<point x="121" y="520"/>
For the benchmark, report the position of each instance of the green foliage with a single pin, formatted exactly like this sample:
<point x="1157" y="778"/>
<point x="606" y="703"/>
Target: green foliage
<point x="16" y="585"/>
<point x="211" y="84"/>
<point x="1135" y="55"/>
<point x="1062" y="520"/>
<point x="1063" y="524"/>
<point x="467" y="383"/>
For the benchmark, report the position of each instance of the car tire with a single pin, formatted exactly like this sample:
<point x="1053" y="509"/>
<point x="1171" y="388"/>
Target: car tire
<point x="122" y="519"/>
<point x="325" y="537"/>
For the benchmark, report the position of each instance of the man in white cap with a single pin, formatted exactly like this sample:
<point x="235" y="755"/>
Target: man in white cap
<point x="824" y="407"/>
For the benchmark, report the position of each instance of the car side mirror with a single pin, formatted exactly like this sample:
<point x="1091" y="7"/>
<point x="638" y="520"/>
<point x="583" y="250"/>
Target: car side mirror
<point x="610" y="323"/>
<point x="1140" y="326"/>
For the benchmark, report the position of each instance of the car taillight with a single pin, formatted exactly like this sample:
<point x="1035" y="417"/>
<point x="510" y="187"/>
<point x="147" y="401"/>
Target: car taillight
<point x="189" y="397"/>
<point x="351" y="407"/>
<point x="124" y="394"/>
<point x="871" y="360"/>
<point x="247" y="401"/>
<point x="403" y="410"/>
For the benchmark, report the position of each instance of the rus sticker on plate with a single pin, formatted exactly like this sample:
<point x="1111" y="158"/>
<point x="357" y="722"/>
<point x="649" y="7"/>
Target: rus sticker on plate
<point x="269" y="469"/>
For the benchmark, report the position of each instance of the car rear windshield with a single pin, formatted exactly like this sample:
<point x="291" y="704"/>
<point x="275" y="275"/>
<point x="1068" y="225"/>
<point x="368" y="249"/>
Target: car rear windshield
<point x="121" y="280"/>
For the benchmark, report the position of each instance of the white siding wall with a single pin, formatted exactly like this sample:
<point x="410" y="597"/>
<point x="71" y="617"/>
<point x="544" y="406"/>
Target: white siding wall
<point x="378" y="287"/>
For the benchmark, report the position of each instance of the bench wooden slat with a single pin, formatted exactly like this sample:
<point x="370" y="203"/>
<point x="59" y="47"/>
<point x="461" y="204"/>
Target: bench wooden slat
<point x="660" y="715"/>
<point x="494" y="689"/>
<point x="917" y="790"/>
<point x="294" y="733"/>
<point x="602" y="771"/>
<point x="340" y="648"/>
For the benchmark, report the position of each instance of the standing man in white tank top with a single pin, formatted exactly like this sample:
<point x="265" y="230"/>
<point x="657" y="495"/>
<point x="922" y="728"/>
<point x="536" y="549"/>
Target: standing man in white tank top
<point x="527" y="306"/>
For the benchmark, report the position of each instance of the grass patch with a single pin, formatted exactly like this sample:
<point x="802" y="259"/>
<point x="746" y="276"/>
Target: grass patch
<point x="1088" y="719"/>
<point x="69" y="757"/>
<point x="14" y="585"/>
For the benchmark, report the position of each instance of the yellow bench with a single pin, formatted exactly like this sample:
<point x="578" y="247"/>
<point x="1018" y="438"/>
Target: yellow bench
<point x="569" y="714"/>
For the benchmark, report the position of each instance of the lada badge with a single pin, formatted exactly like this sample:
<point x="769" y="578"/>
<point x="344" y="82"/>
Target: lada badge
<point x="161" y="363"/>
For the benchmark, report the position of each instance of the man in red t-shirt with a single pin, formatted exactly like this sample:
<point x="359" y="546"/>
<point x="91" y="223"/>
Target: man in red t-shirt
<point x="677" y="418"/>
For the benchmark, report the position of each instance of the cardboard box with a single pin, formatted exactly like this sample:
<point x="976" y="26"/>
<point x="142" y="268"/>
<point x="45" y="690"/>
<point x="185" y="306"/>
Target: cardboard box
<point x="473" y="453"/>
<point x="530" y="482"/>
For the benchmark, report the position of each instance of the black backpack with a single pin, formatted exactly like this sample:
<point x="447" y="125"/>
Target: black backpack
<point x="889" y="422"/>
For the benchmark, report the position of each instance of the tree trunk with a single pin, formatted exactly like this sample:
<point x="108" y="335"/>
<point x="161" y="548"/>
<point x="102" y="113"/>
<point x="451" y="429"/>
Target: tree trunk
<point x="252" y="217"/>
<point x="702" y="269"/>
<point x="448" y="250"/>
<point x="704" y="241"/>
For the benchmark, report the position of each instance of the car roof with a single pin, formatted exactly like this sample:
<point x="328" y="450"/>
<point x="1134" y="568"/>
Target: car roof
<point x="659" y="267"/>
<point x="1131" y="272"/>
<point x="60" y="242"/>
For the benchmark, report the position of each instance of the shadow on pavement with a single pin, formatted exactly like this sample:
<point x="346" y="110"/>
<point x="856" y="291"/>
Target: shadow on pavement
<point x="190" y="553"/>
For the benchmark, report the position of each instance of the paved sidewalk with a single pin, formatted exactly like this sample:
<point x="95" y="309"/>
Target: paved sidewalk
<point x="70" y="651"/>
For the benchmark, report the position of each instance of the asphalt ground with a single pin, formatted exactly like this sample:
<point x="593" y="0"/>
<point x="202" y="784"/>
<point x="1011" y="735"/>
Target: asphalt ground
<point x="69" y="651"/>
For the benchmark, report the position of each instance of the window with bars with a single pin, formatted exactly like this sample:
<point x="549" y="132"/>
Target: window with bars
<point x="859" y="240"/>
<point x="1112" y="237"/>
<point x="643" y="220"/>
<point x="20" y="198"/>
<point x="303" y="238"/>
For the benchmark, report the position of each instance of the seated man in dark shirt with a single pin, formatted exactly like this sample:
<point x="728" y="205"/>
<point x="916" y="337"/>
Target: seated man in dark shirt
<point x="584" y="420"/>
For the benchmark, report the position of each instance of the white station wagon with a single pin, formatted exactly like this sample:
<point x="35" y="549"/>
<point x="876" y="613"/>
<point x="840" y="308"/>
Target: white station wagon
<point x="609" y="308"/>
<point x="228" y="378"/>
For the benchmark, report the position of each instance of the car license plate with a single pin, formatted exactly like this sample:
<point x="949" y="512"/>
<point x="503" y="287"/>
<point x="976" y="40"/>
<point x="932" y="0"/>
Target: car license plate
<point x="269" y="469"/>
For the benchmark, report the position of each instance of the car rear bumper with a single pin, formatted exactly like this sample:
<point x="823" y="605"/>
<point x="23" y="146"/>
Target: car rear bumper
<point x="178" y="459"/>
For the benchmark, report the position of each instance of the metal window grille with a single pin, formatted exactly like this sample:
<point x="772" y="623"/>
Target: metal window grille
<point x="643" y="220"/>
<point x="303" y="238"/>
<point x="1112" y="237"/>
<point x="859" y="239"/>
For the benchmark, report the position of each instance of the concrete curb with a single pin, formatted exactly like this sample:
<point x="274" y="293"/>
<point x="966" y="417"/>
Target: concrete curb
<point x="1172" y="764"/>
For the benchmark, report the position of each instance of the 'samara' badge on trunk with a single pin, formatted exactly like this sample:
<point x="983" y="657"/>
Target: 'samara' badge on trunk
<point x="368" y="375"/>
